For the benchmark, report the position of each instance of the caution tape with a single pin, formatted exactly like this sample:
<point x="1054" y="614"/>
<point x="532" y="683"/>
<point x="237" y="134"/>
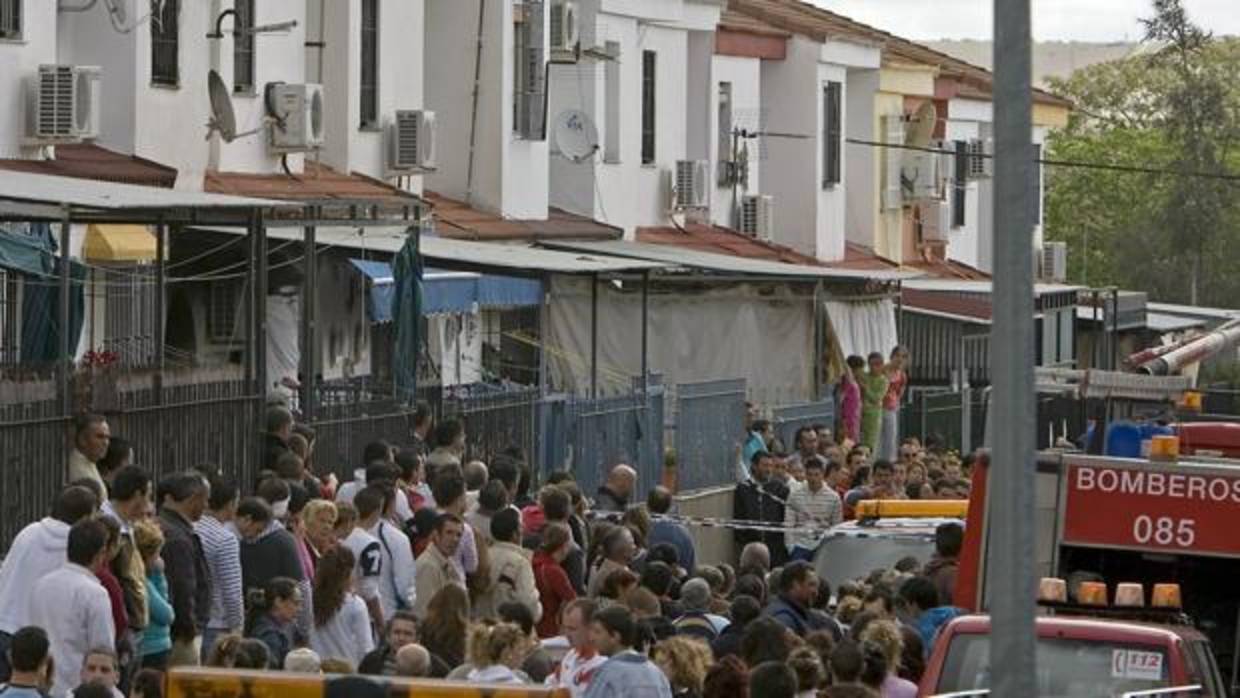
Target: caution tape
<point x="716" y="522"/>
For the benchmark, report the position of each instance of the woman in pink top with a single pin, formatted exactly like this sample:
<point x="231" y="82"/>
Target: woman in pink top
<point x="897" y="381"/>
<point x="850" y="400"/>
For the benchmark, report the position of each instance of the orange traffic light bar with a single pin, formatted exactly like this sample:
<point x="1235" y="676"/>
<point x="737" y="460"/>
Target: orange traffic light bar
<point x="191" y="682"/>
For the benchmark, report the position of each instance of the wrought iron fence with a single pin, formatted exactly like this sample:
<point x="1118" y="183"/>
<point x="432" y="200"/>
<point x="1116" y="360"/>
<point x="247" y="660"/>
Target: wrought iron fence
<point x="709" y="418"/>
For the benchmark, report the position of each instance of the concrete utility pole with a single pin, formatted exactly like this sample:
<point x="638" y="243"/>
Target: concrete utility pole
<point x="1011" y="504"/>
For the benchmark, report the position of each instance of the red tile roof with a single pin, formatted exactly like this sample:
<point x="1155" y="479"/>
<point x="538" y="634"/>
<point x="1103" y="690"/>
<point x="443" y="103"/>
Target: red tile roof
<point x="949" y="303"/>
<point x="457" y="220"/>
<point x="740" y="22"/>
<point x="949" y="269"/>
<point x="720" y="240"/>
<point x="318" y="183"/>
<point x="87" y="161"/>
<point x="819" y="24"/>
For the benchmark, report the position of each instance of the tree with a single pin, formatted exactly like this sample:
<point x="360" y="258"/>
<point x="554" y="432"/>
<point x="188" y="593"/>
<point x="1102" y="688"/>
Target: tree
<point x="1176" y="107"/>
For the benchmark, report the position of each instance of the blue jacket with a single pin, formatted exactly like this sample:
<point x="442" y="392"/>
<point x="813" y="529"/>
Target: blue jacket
<point x="931" y="621"/>
<point x="629" y="675"/>
<point x="664" y="531"/>
<point x="157" y="636"/>
<point x="801" y="620"/>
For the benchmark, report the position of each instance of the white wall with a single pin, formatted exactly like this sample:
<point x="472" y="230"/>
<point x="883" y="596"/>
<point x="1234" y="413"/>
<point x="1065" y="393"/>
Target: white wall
<point x="862" y="161"/>
<point x="18" y="61"/>
<point x="627" y="193"/>
<point x="832" y="200"/>
<point x="745" y="75"/>
<point x="790" y="168"/>
<point x="510" y="174"/>
<point x="349" y="147"/>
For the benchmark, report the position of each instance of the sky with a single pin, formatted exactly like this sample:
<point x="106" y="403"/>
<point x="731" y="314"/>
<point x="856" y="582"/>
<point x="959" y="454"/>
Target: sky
<point x="1065" y="20"/>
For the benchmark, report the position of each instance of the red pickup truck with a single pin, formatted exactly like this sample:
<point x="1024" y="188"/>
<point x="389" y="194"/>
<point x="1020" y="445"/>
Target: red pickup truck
<point x="1081" y="658"/>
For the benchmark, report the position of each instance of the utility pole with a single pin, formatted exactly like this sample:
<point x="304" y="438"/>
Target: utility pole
<point x="1011" y="546"/>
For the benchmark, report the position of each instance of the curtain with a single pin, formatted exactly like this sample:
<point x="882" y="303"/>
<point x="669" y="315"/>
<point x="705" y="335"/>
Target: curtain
<point x="861" y="327"/>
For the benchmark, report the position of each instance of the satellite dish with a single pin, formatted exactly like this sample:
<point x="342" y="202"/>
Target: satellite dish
<point x="921" y="126"/>
<point x="117" y="8"/>
<point x="576" y="137"/>
<point x="223" y="120"/>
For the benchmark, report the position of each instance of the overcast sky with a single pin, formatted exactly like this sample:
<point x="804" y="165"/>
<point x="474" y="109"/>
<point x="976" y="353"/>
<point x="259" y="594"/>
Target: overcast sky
<point x="1079" y="20"/>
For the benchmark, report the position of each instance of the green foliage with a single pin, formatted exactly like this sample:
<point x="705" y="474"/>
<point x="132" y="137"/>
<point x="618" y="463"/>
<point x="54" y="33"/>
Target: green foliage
<point x="1176" y="108"/>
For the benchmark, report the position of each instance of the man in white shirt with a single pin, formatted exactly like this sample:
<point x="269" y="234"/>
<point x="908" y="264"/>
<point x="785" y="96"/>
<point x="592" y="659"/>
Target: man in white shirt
<point x="36" y="551"/>
<point x="378" y="474"/>
<point x="579" y="665"/>
<point x="368" y="553"/>
<point x="73" y="607"/>
<point x="810" y="511"/>
<point x="396" y="587"/>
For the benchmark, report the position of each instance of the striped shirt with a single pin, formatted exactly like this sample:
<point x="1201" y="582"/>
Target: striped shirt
<point x="222" y="550"/>
<point x="811" y="513"/>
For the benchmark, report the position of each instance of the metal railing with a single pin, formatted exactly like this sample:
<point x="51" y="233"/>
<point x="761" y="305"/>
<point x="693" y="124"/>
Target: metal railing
<point x="709" y="415"/>
<point x="788" y="419"/>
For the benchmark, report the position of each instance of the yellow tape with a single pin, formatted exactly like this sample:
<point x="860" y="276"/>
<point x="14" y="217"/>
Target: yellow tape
<point x="192" y="682"/>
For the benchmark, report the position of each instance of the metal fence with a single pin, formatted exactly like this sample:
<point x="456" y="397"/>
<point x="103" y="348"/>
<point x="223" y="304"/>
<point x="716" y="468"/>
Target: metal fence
<point x="708" y="419"/>
<point x="956" y="419"/>
<point x="790" y="418"/>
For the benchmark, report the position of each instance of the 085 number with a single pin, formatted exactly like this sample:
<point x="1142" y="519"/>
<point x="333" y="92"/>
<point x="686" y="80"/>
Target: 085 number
<point x="1164" y="530"/>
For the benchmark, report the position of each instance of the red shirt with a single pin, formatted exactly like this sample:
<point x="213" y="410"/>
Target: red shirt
<point x="120" y="619"/>
<point x="554" y="591"/>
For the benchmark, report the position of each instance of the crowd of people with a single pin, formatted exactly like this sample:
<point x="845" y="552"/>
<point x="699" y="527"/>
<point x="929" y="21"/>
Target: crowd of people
<point x="427" y="564"/>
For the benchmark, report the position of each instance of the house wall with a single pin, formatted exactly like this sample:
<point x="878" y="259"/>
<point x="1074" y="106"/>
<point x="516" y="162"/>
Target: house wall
<point x="862" y="172"/>
<point x="895" y="83"/>
<point x="349" y="147"/>
<point x="745" y="75"/>
<point x="829" y="235"/>
<point x="790" y="167"/>
<point x="624" y="192"/>
<point x="18" y="61"/>
<point x="509" y="174"/>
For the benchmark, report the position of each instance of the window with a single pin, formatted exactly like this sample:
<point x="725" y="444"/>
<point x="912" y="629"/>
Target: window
<point x="648" y="106"/>
<point x="165" y="43"/>
<point x="222" y="311"/>
<point x="726" y="164"/>
<point x="529" y="73"/>
<point x="10" y="318"/>
<point x="370" y="64"/>
<point x="129" y="327"/>
<point x="10" y="19"/>
<point x="611" y="103"/>
<point x="831" y="132"/>
<point x="1037" y="183"/>
<point x="243" y="46"/>
<point x="960" y="182"/>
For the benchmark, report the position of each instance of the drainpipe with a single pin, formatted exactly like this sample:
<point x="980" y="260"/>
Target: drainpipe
<point x="473" y="117"/>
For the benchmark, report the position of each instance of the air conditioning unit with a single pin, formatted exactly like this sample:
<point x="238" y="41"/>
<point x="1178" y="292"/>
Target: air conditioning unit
<point x="921" y="175"/>
<point x="1055" y="262"/>
<point x="411" y="140"/>
<point x="758" y="216"/>
<point x="691" y="183"/>
<point x="935" y="221"/>
<point x="63" y="104"/>
<point x="297" y="116"/>
<point x="565" y="29"/>
<point x="980" y="158"/>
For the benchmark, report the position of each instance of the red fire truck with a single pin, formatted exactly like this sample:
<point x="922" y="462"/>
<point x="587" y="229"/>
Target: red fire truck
<point x="1119" y="520"/>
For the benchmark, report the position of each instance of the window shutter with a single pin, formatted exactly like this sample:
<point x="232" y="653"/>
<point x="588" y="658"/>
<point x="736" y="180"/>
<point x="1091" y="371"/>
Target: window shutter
<point x="893" y="133"/>
<point x="531" y="84"/>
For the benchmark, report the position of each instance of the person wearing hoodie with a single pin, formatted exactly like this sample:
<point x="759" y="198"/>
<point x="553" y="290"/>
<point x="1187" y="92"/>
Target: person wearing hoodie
<point x="627" y="672"/>
<point x="37" y="550"/>
<point x="273" y="552"/>
<point x="920" y="600"/>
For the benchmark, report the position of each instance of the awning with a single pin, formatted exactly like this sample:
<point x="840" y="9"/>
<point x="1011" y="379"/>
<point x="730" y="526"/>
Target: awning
<point x="24" y="253"/>
<point x="119" y="243"/>
<point x="382" y="288"/>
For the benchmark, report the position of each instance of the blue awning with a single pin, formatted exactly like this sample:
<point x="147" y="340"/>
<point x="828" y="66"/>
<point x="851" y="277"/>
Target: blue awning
<point x="382" y="288"/>
<point x="446" y="292"/>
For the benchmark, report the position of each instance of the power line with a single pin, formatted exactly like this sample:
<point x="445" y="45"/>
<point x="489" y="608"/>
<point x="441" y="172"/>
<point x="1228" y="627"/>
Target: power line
<point x="1137" y="169"/>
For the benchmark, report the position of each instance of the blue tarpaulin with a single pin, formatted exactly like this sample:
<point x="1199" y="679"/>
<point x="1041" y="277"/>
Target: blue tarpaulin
<point x="31" y="250"/>
<point x="449" y="292"/>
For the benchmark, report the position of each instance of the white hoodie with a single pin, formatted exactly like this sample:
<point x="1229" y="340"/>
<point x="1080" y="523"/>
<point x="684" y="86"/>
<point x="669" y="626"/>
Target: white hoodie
<point x="37" y="550"/>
